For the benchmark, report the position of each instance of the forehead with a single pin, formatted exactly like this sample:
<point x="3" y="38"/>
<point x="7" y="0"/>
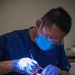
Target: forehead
<point x="55" y="32"/>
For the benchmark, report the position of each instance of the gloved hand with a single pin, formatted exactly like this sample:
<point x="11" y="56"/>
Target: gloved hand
<point x="51" y="70"/>
<point x="25" y="66"/>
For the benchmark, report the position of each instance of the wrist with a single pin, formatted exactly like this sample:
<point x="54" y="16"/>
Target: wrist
<point x="14" y="64"/>
<point x="60" y="72"/>
<point x="64" y="73"/>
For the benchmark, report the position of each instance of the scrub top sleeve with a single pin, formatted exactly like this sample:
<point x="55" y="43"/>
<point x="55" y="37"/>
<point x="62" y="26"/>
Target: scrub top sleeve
<point x="64" y="62"/>
<point x="2" y="47"/>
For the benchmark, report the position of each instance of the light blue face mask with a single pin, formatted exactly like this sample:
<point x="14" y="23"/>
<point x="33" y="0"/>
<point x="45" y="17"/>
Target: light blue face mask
<point x="43" y="43"/>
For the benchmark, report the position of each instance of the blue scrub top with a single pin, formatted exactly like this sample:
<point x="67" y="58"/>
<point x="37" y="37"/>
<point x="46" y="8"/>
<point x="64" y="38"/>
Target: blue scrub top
<point x="17" y="44"/>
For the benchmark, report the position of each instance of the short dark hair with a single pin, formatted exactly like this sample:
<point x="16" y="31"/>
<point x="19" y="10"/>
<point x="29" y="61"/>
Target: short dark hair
<point x="60" y="17"/>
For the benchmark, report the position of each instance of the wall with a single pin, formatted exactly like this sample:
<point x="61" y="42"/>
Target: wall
<point x="72" y="70"/>
<point x="20" y="14"/>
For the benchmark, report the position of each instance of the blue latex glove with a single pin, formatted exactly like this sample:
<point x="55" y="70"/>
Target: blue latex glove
<point x="25" y="66"/>
<point x="51" y="70"/>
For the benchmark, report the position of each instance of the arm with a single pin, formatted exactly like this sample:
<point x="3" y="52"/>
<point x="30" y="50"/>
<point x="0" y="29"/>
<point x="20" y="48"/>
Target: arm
<point x="23" y="66"/>
<point x="64" y="62"/>
<point x="64" y="73"/>
<point x="5" y="67"/>
<point x="53" y="70"/>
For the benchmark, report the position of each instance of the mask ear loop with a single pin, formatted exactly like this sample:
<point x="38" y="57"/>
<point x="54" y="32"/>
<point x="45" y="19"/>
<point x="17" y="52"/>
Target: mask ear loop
<point x="39" y="29"/>
<point x="44" y="30"/>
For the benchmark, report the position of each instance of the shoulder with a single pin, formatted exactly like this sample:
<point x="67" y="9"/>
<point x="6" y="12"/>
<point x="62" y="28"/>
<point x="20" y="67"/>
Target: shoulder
<point x="59" y="49"/>
<point x="13" y="34"/>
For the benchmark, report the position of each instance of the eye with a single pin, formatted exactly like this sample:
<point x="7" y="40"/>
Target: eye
<point x="49" y="36"/>
<point x="45" y="35"/>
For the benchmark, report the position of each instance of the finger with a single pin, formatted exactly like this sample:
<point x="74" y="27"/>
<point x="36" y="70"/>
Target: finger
<point x="34" y="62"/>
<point x="49" y="72"/>
<point x="44" y="72"/>
<point x="36" y="66"/>
<point x="32" y="68"/>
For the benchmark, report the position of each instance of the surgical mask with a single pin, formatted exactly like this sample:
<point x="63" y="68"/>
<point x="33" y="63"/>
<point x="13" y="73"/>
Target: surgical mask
<point x="43" y="43"/>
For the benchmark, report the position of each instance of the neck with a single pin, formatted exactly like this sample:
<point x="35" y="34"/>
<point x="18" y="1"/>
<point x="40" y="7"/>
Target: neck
<point x="33" y="33"/>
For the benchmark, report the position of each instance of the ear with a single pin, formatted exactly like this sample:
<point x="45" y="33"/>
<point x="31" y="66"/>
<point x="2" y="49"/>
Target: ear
<point x="38" y="22"/>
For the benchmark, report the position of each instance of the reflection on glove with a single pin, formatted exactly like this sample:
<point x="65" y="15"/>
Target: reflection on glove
<point x="51" y="70"/>
<point x="25" y="66"/>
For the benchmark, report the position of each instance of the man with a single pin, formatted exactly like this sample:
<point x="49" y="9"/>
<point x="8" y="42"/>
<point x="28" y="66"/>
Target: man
<point x="27" y="51"/>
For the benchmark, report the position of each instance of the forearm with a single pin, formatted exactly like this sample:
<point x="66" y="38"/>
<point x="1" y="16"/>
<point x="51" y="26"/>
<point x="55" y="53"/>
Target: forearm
<point x="64" y="73"/>
<point x="5" y="67"/>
